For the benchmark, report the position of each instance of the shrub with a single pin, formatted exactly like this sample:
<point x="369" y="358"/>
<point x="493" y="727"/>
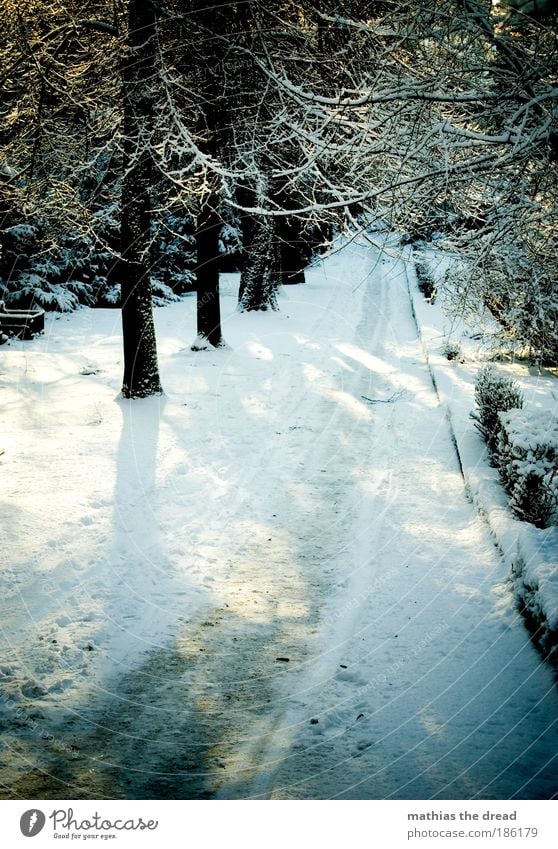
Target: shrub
<point x="494" y="394"/>
<point x="528" y="462"/>
<point x="425" y="282"/>
<point x="452" y="350"/>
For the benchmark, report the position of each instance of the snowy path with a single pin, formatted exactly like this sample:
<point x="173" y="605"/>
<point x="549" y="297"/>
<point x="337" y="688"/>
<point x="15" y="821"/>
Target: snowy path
<point x="261" y="585"/>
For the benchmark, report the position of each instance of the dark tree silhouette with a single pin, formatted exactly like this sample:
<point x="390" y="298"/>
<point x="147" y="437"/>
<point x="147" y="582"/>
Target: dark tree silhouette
<point x="141" y="373"/>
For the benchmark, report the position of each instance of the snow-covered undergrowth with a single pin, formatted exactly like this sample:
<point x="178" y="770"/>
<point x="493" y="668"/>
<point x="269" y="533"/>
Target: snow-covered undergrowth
<point x="80" y="268"/>
<point x="528" y="462"/>
<point x="504" y="282"/>
<point x="531" y="552"/>
<point x="268" y="582"/>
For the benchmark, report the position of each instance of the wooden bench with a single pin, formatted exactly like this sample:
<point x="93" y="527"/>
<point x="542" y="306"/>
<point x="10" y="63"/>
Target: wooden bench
<point x="24" y="324"/>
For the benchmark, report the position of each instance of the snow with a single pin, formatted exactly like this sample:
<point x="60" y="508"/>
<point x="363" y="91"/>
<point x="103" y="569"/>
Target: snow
<point x="268" y="582"/>
<point x="531" y="553"/>
<point x="531" y="430"/>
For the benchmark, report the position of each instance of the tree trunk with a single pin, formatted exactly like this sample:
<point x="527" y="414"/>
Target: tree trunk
<point x="141" y="373"/>
<point x="259" y="276"/>
<point x="209" y="224"/>
<point x="207" y="276"/>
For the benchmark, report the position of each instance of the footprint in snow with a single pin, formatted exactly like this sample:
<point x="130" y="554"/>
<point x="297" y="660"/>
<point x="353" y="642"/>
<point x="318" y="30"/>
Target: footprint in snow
<point x="87" y="520"/>
<point x="33" y="690"/>
<point x="362" y="748"/>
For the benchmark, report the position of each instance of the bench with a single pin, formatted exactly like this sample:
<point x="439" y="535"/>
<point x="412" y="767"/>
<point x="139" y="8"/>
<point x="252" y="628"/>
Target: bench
<point x="24" y="324"/>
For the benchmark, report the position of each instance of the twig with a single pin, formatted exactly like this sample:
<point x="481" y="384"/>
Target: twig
<point x="395" y="397"/>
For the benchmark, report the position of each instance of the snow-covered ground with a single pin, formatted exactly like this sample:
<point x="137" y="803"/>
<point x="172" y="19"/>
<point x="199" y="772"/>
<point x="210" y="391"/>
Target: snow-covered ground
<point x="531" y="553"/>
<point x="270" y="581"/>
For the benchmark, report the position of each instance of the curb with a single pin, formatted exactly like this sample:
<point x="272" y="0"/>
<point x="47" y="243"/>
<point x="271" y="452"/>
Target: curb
<point x="530" y="553"/>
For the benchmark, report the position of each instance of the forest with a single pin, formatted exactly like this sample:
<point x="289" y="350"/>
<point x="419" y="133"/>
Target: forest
<point x="294" y="401"/>
<point x="146" y="147"/>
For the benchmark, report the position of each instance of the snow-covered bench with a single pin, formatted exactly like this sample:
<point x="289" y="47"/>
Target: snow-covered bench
<point x="21" y="323"/>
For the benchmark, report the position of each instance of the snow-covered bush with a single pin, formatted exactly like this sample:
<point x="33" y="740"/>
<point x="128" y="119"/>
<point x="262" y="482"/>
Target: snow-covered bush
<point x="494" y="394"/>
<point x="57" y="271"/>
<point x="523" y="444"/>
<point x="36" y="289"/>
<point x="528" y="464"/>
<point x="161" y="293"/>
<point x="19" y="240"/>
<point x="452" y="350"/>
<point x="35" y="272"/>
<point x="72" y="268"/>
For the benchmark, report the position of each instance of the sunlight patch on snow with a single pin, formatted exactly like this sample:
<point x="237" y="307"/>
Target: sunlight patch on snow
<point x="259" y="574"/>
<point x="504" y="602"/>
<point x="364" y="358"/>
<point x="327" y="388"/>
<point x="431" y="725"/>
<point x="436" y="532"/>
<point x="256" y="407"/>
<point x="468" y="590"/>
<point x="460" y="380"/>
<point x="45" y="370"/>
<point x="313" y="374"/>
<point x="305" y="342"/>
<point x="351" y="404"/>
<point x="259" y="351"/>
<point x="417" y="387"/>
<point x="398" y="376"/>
<point x="345" y="366"/>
